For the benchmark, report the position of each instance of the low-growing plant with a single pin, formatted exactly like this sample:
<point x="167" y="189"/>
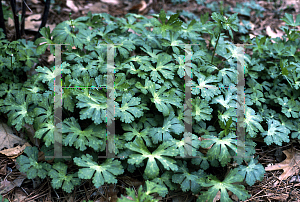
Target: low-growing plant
<point x="149" y="101"/>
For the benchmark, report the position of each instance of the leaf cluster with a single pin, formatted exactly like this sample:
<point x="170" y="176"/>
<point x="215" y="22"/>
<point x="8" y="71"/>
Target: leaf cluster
<point x="149" y="91"/>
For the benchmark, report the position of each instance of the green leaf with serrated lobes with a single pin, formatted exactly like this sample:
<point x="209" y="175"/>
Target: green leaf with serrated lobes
<point x="165" y="180"/>
<point x="201" y="110"/>
<point x="46" y="130"/>
<point x="162" y="103"/>
<point x="30" y="166"/>
<point x="276" y="133"/>
<point x="141" y="196"/>
<point x="59" y="176"/>
<point x="152" y="187"/>
<point x="220" y="148"/>
<point x="252" y="172"/>
<point x="19" y="108"/>
<point x="163" y="67"/>
<point x="105" y="172"/>
<point x="288" y="18"/>
<point x="94" y="107"/>
<point x="227" y="184"/>
<point x="130" y="108"/>
<point x="252" y="122"/>
<point x="91" y="136"/>
<point x="171" y="125"/>
<point x="186" y="179"/>
<point x="152" y="170"/>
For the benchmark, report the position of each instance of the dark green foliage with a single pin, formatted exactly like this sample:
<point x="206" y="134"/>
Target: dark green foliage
<point x="150" y="100"/>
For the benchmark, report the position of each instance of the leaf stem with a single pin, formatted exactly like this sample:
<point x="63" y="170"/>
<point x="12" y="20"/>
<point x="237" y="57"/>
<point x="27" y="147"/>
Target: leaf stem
<point x="212" y="59"/>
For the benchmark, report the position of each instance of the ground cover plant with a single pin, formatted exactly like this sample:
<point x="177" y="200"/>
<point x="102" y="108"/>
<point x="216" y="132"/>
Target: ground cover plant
<point x="149" y="104"/>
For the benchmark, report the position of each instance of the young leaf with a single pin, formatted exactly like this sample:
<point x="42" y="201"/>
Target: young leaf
<point x="143" y="196"/>
<point x="288" y="18"/>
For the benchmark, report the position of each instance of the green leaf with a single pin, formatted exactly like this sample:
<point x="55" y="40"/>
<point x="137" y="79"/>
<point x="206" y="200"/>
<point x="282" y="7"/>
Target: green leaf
<point x="30" y="165"/>
<point x="44" y="42"/>
<point x="143" y="196"/>
<point x="162" y="103"/>
<point x="187" y="180"/>
<point x="290" y="108"/>
<point x="130" y="108"/>
<point x="276" y="133"/>
<point x="63" y="33"/>
<point x="227" y="184"/>
<point x="173" y="24"/>
<point x="166" y="181"/>
<point x="219" y="150"/>
<point x="162" y="67"/>
<point x="18" y="109"/>
<point x="152" y="170"/>
<point x="46" y="131"/>
<point x="201" y="110"/>
<point x="288" y="18"/>
<point x="91" y="136"/>
<point x="252" y="172"/>
<point x="94" y="106"/>
<point x="170" y="125"/>
<point x="135" y="131"/>
<point x="189" y="143"/>
<point x="207" y="91"/>
<point x="60" y="179"/>
<point x="252" y="122"/>
<point x="3" y="199"/>
<point x="106" y="172"/>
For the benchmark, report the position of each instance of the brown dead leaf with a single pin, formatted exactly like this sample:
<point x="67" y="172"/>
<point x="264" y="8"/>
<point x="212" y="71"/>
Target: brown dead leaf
<point x="112" y="2"/>
<point x="290" y="165"/>
<point x="141" y="8"/>
<point x="33" y="21"/>
<point x="14" y="152"/>
<point x="6" y="186"/>
<point x="98" y="7"/>
<point x="272" y="34"/>
<point x="72" y="6"/>
<point x="19" y="195"/>
<point x="7" y="138"/>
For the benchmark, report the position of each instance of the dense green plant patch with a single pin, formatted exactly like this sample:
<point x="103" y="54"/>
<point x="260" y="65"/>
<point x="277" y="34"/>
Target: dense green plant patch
<point x="149" y="78"/>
